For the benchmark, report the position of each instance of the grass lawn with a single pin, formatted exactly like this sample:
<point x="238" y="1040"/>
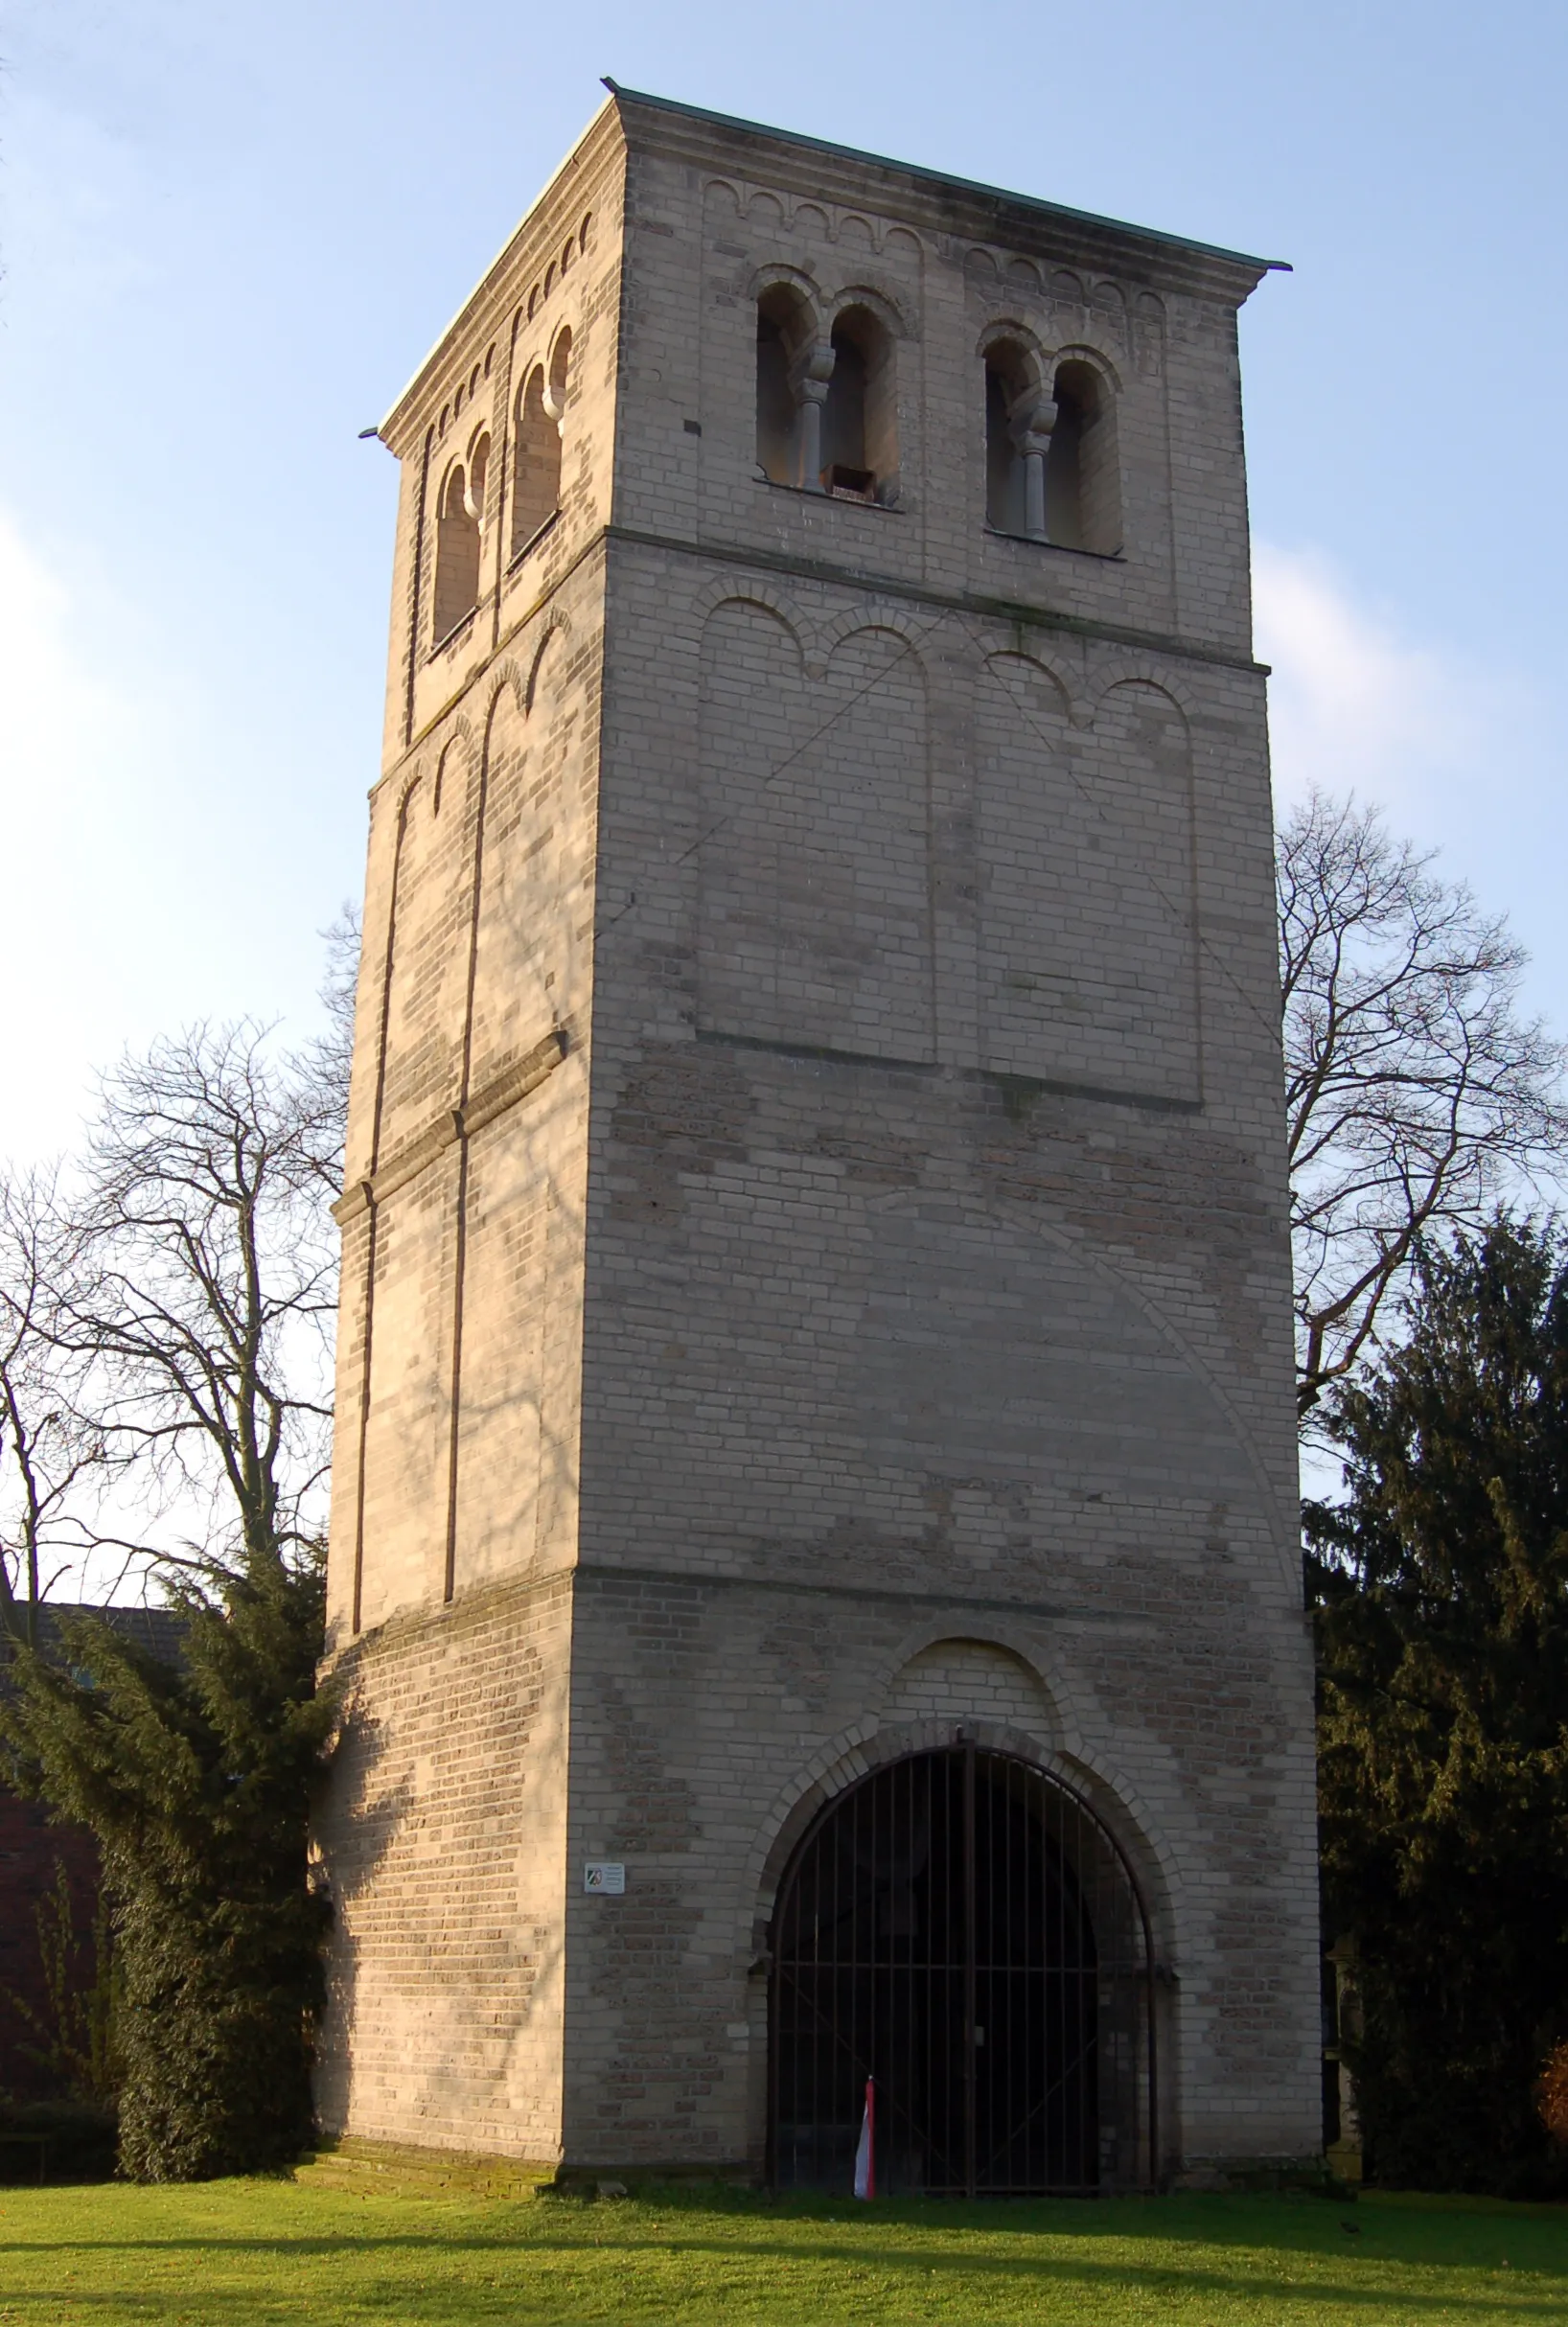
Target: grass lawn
<point x="349" y="2239"/>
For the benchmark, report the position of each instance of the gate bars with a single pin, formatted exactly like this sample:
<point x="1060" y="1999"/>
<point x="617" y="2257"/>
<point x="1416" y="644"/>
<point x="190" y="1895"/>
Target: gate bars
<point x="962" y="1928"/>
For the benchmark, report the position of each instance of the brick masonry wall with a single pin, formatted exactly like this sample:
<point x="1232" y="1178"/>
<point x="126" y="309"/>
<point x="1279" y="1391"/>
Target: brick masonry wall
<point x="873" y="1311"/>
<point x="445" y="1846"/>
<point x="468" y="1105"/>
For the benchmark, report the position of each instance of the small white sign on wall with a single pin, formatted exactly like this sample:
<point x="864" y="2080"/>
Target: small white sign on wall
<point x="605" y="1875"/>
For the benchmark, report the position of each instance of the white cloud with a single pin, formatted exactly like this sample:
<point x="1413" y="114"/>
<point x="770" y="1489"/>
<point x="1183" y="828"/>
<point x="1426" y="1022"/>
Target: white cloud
<point x="56" y="712"/>
<point x="1464" y="756"/>
<point x="1353" y="705"/>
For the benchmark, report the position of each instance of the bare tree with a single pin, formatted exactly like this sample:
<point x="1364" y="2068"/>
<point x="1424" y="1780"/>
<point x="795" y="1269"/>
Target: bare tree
<point x="167" y="1305"/>
<point x="1417" y="1096"/>
<point x="200" y="1287"/>
<point x="54" y="1463"/>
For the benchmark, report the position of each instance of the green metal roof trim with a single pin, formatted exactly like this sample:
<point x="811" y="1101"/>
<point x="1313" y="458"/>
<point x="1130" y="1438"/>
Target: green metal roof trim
<point x="944" y="177"/>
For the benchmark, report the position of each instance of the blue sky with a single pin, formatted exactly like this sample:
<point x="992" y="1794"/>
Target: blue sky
<point x="228" y="236"/>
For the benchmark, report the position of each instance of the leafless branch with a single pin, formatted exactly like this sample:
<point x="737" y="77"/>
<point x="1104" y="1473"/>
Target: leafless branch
<point x="53" y="1460"/>
<point x="167" y="1311"/>
<point x="1416" y="1095"/>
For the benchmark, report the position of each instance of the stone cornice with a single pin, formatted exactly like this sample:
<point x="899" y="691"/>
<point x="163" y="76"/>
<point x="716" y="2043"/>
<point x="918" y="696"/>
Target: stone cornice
<point x="453" y="1123"/>
<point x="749" y="557"/>
<point x="934" y="203"/>
<point x="962" y="602"/>
<point x="566" y="1577"/>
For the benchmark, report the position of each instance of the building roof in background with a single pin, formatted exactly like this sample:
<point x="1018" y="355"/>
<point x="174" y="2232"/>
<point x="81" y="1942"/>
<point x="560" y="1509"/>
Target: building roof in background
<point x="155" y="1632"/>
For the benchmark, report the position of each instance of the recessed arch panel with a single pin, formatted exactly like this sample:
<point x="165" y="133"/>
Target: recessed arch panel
<point x="1088" y="912"/>
<point x="814" y="883"/>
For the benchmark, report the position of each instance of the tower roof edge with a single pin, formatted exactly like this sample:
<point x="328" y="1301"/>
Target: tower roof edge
<point x="580" y="155"/>
<point x="1246" y="269"/>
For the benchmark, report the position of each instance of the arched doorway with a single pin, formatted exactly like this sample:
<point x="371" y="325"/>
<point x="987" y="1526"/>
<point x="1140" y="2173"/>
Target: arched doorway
<point x="964" y="1930"/>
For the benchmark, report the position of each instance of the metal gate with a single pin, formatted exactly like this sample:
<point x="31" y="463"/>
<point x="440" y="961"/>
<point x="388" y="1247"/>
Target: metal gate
<point x="963" y="1929"/>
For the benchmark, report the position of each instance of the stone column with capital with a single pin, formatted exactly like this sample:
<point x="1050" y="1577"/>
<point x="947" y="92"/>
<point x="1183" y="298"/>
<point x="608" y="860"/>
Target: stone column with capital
<point x="809" y="376"/>
<point x="1031" y="418"/>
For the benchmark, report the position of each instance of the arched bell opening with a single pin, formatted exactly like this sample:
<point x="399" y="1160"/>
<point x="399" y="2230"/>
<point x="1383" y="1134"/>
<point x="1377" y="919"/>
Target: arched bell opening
<point x="458" y="543"/>
<point x="961" y="1931"/>
<point x="783" y="330"/>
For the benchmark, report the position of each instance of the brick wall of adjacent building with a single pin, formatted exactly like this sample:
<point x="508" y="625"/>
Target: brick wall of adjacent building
<point x="815" y="1257"/>
<point x="33" y="1852"/>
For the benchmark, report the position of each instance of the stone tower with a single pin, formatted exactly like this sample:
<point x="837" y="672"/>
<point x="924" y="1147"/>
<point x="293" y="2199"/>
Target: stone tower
<point x="816" y="1432"/>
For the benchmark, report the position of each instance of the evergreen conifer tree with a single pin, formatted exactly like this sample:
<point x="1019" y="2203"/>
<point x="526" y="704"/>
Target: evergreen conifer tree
<point x="197" y="1779"/>
<point x="1442" y="1585"/>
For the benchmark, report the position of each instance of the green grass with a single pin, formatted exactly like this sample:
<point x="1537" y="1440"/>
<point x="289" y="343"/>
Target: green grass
<point x="349" y="2239"/>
